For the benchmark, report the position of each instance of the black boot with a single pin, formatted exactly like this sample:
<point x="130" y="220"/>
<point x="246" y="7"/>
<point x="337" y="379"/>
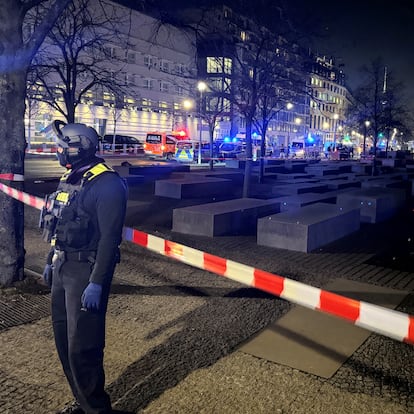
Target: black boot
<point x="73" y="408"/>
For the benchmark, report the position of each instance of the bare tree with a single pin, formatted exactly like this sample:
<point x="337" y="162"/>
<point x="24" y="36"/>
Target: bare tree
<point x="379" y="100"/>
<point x="263" y="84"/>
<point x="78" y="59"/>
<point x="16" y="53"/>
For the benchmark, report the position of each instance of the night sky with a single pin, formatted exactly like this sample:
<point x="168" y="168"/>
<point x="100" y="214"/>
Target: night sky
<point x="353" y="31"/>
<point x="358" y="31"/>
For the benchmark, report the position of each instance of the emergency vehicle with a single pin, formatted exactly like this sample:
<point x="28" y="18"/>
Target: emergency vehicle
<point x="162" y="144"/>
<point x="185" y="151"/>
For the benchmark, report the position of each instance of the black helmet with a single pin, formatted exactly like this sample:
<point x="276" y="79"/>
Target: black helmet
<point x="76" y="142"/>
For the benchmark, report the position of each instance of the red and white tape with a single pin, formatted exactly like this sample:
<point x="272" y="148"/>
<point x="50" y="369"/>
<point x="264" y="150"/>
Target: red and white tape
<point x="12" y="177"/>
<point x="25" y="198"/>
<point x="42" y="151"/>
<point x="394" y="324"/>
<point x="387" y="322"/>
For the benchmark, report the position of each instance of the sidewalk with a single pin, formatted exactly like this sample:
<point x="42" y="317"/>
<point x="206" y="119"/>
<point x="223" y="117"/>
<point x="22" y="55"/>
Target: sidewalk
<point x="174" y="331"/>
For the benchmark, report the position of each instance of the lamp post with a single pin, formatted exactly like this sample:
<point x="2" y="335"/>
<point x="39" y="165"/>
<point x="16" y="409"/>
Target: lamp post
<point x="366" y="125"/>
<point x="201" y="86"/>
<point x="335" y="117"/>
<point x="289" y="106"/>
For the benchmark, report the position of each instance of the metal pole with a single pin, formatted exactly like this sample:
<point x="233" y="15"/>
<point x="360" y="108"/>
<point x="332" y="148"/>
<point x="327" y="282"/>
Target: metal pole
<point x="365" y="139"/>
<point x="201" y="129"/>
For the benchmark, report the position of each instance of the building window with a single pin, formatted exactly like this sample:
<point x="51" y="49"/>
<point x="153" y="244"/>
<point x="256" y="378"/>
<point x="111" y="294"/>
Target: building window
<point x="219" y="65"/>
<point x="130" y="56"/>
<point x="148" y="84"/>
<point x="150" y="61"/>
<point x="164" y="86"/>
<point x="165" y="66"/>
<point x="179" y="69"/>
<point x="110" y="52"/>
<point x="228" y="65"/>
<point x="214" y="65"/>
<point x="146" y="102"/>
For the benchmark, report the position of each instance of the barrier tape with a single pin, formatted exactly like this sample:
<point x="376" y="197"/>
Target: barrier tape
<point x="12" y="177"/>
<point x="46" y="150"/>
<point x="387" y="322"/>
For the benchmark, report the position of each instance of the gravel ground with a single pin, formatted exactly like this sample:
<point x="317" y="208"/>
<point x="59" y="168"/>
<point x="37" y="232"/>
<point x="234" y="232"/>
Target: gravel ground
<point x="174" y="331"/>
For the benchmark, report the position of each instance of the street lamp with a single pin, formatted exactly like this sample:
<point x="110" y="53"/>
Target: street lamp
<point x="187" y="105"/>
<point x="366" y="125"/>
<point x="201" y="86"/>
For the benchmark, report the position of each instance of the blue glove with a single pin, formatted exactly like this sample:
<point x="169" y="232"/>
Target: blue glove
<point x="91" y="296"/>
<point x="47" y="275"/>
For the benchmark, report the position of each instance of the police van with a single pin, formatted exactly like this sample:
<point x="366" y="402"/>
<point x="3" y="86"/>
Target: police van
<point x="186" y="151"/>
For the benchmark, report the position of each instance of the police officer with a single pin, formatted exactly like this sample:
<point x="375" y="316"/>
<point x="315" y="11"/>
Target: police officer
<point x="83" y="221"/>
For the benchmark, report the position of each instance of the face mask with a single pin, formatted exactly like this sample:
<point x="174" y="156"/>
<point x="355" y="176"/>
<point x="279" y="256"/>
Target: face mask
<point x="62" y="156"/>
<point x="67" y="157"/>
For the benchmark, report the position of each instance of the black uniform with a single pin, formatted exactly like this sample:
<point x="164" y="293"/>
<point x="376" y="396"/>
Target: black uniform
<point x="88" y="212"/>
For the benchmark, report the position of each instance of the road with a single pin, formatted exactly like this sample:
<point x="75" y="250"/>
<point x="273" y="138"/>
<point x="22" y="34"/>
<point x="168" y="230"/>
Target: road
<point x="39" y="167"/>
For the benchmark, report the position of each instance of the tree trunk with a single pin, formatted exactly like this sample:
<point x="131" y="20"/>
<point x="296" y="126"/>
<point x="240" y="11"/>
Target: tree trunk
<point x="12" y="144"/>
<point x="262" y="152"/>
<point x="211" y="161"/>
<point x="248" y="166"/>
<point x="15" y="58"/>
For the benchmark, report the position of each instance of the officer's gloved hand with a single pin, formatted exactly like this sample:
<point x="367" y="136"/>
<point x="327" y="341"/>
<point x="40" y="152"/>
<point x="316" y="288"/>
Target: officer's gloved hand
<point x="91" y="296"/>
<point x="47" y="275"/>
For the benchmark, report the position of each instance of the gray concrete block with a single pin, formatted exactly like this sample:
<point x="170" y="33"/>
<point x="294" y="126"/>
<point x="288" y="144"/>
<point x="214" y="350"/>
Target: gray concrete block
<point x="342" y="184"/>
<point x="194" y="187"/>
<point x="361" y="168"/>
<point x="322" y="170"/>
<point x="237" y="216"/>
<point x="376" y="203"/>
<point x="389" y="183"/>
<point x="308" y="228"/>
<point x="297" y="201"/>
<point x="299" y="188"/>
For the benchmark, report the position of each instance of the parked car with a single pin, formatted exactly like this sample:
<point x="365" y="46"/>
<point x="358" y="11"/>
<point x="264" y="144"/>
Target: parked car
<point x="297" y="150"/>
<point x="344" y="152"/>
<point x="231" y="150"/>
<point x="205" y="152"/>
<point x="122" y="143"/>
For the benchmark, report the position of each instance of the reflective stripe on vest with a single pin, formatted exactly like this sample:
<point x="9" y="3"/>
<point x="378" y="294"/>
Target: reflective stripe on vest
<point x="97" y="170"/>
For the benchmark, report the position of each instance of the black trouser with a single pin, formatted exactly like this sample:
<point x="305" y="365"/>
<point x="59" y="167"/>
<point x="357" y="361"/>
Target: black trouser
<point x="80" y="336"/>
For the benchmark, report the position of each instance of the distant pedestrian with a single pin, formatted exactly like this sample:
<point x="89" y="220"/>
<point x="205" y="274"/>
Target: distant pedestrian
<point x="329" y="149"/>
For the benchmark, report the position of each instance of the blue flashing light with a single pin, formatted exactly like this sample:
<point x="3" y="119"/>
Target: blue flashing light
<point x="226" y="139"/>
<point x="234" y="140"/>
<point x="310" y="139"/>
<point x="254" y="135"/>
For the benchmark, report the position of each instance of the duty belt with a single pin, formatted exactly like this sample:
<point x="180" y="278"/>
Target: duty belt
<point x="81" y="256"/>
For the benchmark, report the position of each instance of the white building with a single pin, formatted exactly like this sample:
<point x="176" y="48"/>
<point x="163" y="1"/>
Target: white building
<point x="158" y="68"/>
<point x="329" y="103"/>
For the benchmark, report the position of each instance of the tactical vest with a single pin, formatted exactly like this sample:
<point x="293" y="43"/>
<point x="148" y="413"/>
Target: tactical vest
<point x="66" y="224"/>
